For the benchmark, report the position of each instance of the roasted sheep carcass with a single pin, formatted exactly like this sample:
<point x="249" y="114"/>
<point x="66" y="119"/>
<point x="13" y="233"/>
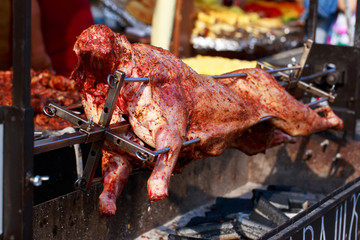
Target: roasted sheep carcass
<point x="177" y="105"/>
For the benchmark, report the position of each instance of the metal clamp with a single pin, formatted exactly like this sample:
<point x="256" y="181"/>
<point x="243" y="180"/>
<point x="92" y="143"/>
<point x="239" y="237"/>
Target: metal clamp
<point x="318" y="92"/>
<point x="305" y="54"/>
<point x="139" y="151"/>
<point x="98" y="133"/>
<point x="55" y="110"/>
<point x="104" y="121"/>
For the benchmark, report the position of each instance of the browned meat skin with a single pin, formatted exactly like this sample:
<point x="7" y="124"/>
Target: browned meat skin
<point x="290" y="115"/>
<point x="178" y="104"/>
<point x="260" y="137"/>
<point x="253" y="140"/>
<point x="177" y="101"/>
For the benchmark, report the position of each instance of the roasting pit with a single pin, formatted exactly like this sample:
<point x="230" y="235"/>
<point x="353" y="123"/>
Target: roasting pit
<point x="243" y="213"/>
<point x="193" y="191"/>
<point x="265" y="215"/>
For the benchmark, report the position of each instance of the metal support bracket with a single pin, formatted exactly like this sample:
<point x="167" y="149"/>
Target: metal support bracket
<point x="98" y="133"/>
<point x="316" y="91"/>
<point x="303" y="58"/>
<point x="115" y="82"/>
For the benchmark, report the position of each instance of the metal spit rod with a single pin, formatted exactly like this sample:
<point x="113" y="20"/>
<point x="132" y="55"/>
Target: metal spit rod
<point x="89" y="133"/>
<point x="300" y="81"/>
<point x="276" y="70"/>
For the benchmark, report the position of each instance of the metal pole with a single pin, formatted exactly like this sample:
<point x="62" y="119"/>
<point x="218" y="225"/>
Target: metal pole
<point x="312" y="19"/>
<point x="19" y="132"/>
<point x="357" y="27"/>
<point x="21" y="52"/>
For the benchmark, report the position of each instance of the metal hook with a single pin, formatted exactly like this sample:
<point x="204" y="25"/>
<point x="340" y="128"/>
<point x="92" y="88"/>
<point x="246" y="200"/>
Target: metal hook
<point x="332" y="89"/>
<point x="49" y="111"/>
<point x="109" y="82"/>
<point x="91" y="124"/>
<point x="80" y="183"/>
<point x="142" y="156"/>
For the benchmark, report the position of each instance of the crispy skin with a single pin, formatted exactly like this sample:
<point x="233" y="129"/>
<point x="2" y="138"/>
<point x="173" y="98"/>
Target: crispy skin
<point x="177" y="104"/>
<point x="290" y="115"/>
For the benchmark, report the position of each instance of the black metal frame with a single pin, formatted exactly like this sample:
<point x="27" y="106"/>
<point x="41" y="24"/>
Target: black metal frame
<point x="334" y="216"/>
<point x="19" y="133"/>
<point x="346" y="59"/>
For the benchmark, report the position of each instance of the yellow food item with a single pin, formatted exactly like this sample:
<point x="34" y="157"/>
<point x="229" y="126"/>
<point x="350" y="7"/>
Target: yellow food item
<point x="216" y="65"/>
<point x="269" y="23"/>
<point x="142" y="10"/>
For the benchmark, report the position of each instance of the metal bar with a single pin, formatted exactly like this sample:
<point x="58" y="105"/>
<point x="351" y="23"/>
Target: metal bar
<point x="19" y="132"/>
<point x="357" y="27"/>
<point x="316" y="75"/>
<point x="229" y="75"/>
<point x="187" y="143"/>
<point x="315" y="91"/>
<point x="104" y="121"/>
<point x="141" y="152"/>
<point x="137" y="79"/>
<point x="276" y="70"/>
<point x="268" y="67"/>
<point x="96" y="134"/>
<point x="74" y="106"/>
<point x="265" y="119"/>
<point x="21" y="53"/>
<point x="272" y="70"/>
<point x="91" y="164"/>
<point x="18" y="168"/>
<point x="304" y="56"/>
<point x="49" y="144"/>
<point x="111" y="99"/>
<point x="314" y="103"/>
<point x="53" y="109"/>
<point x="132" y="147"/>
<point x="308" y="78"/>
<point x="312" y="19"/>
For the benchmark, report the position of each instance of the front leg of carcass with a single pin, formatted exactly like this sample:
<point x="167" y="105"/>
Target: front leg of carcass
<point x="159" y="116"/>
<point x="158" y="182"/>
